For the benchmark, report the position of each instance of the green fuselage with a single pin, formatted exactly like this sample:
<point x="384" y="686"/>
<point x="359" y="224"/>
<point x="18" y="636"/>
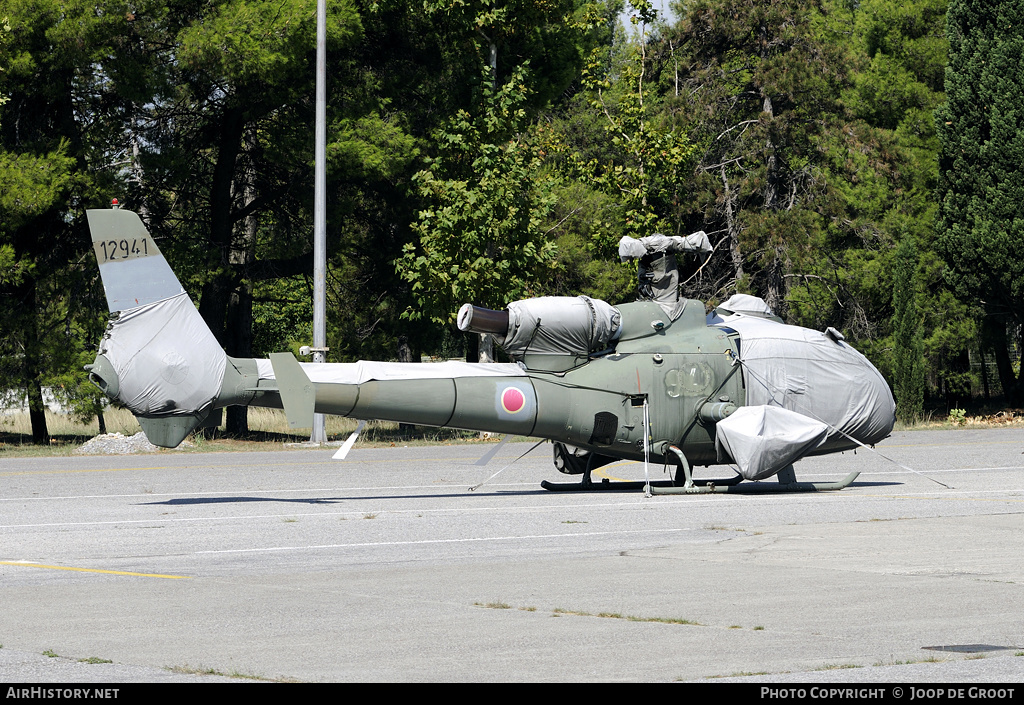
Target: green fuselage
<point x="592" y="403"/>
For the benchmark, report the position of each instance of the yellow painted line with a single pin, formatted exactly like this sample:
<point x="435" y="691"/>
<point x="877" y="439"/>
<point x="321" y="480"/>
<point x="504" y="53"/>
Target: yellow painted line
<point x="73" y="472"/>
<point x="600" y="472"/>
<point x="94" y="570"/>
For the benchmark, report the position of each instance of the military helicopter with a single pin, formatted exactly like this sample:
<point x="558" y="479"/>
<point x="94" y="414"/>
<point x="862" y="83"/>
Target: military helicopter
<point x="656" y="380"/>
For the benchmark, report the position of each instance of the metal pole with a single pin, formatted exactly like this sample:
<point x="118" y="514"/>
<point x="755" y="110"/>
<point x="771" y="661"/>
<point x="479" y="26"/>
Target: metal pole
<point x="319" y="433"/>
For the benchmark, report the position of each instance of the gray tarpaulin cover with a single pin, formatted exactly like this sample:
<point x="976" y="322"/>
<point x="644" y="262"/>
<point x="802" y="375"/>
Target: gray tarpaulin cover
<point x="560" y="325"/>
<point x="658" y="273"/>
<point x="147" y="338"/>
<point x="633" y="248"/>
<point x="366" y="370"/>
<point x="747" y="305"/>
<point x="810" y="373"/>
<point x="764" y="439"/>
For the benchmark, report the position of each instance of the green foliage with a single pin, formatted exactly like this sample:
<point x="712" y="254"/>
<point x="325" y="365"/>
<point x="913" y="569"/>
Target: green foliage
<point x="503" y="34"/>
<point x="480" y="239"/>
<point x="82" y="399"/>
<point x="48" y="126"/>
<point x="622" y="159"/>
<point x="587" y="224"/>
<point x="260" y="41"/>
<point x="29" y="187"/>
<point x="886" y="174"/>
<point x="908" y="360"/>
<point x="370" y="148"/>
<point x="5" y="27"/>
<point x="981" y="185"/>
<point x="282" y="316"/>
<point x="756" y="84"/>
<point x="649" y="155"/>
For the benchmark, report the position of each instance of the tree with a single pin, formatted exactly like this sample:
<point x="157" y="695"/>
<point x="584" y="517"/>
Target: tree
<point x="458" y="188"/>
<point x="222" y="147"/>
<point x="981" y="181"/>
<point x="503" y="34"/>
<point x="757" y="82"/>
<point x="47" y="173"/>
<point x="480" y="239"/>
<point x="622" y="159"/>
<point x="908" y="359"/>
<point x="5" y="27"/>
<point x="897" y="56"/>
<point x="31" y="188"/>
<point x="650" y="154"/>
<point x="395" y="87"/>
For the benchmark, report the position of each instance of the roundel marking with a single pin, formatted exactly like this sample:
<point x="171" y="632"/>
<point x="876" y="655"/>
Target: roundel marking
<point x="513" y="400"/>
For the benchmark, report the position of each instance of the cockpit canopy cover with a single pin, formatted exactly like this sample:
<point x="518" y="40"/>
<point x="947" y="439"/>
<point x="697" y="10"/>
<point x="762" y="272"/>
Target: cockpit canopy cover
<point x="783" y="364"/>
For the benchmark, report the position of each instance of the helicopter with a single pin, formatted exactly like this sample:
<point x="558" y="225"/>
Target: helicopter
<point x="656" y="380"/>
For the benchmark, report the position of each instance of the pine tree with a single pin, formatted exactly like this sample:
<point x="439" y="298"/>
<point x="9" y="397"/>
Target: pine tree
<point x="908" y="359"/>
<point x="981" y="164"/>
<point x="50" y="117"/>
<point x="760" y="86"/>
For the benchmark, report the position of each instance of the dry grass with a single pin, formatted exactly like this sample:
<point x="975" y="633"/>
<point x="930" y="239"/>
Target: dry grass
<point x="268" y="430"/>
<point x="118" y="421"/>
<point x="66" y="433"/>
<point x="1012" y="418"/>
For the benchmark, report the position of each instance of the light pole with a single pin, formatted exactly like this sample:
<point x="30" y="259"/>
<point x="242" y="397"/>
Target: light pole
<point x="319" y="433"/>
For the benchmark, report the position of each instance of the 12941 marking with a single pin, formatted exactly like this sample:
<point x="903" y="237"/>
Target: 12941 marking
<point x="114" y="250"/>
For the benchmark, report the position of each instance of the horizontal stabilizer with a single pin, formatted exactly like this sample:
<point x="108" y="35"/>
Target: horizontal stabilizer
<point x="297" y="393"/>
<point x="765" y="439"/>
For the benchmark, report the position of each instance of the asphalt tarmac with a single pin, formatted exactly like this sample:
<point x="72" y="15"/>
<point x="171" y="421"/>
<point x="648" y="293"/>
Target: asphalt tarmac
<point x="386" y="567"/>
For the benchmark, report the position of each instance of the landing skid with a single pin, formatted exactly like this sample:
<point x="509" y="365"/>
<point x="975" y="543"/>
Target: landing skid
<point x="786" y="477"/>
<point x="760" y="487"/>
<point x="586" y="484"/>
<point x="658" y="486"/>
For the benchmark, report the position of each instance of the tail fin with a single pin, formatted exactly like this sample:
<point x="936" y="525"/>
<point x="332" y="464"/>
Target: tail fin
<point x="157" y="356"/>
<point x="134" y="272"/>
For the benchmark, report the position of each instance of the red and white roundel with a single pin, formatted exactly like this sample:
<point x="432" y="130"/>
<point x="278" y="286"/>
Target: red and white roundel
<point x="513" y="400"/>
